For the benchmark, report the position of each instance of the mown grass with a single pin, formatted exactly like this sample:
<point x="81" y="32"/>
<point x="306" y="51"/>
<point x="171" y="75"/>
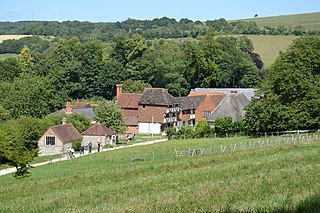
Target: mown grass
<point x="273" y="179"/>
<point x="269" y="47"/>
<point x="310" y="21"/>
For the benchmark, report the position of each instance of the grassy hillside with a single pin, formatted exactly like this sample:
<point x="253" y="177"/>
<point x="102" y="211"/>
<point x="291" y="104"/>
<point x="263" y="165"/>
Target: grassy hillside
<point x="310" y="21"/>
<point x="268" y="46"/>
<point x="269" y="179"/>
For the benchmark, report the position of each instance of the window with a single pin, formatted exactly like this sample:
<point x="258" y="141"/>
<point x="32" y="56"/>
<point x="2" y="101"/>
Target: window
<point x="50" y="140"/>
<point x="206" y="114"/>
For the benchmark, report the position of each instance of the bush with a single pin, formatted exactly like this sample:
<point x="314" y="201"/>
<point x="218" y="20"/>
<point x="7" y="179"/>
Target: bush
<point x="203" y="129"/>
<point x="186" y="132"/>
<point x="171" y="131"/>
<point x="76" y="144"/>
<point x="107" y="146"/>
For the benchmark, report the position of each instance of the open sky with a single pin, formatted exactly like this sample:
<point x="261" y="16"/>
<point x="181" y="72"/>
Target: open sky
<point x="120" y="10"/>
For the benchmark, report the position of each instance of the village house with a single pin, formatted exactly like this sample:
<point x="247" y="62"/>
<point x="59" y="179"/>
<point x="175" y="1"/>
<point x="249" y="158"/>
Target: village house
<point x="157" y="110"/>
<point x="57" y="139"/>
<point x="128" y="102"/>
<point x="97" y="133"/>
<point x="79" y="108"/>
<point x="188" y="106"/>
<point x="208" y="104"/>
<point x="231" y="106"/>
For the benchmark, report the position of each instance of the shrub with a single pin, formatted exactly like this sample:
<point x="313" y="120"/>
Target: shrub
<point x="202" y="129"/>
<point x="171" y="131"/>
<point x="76" y="144"/>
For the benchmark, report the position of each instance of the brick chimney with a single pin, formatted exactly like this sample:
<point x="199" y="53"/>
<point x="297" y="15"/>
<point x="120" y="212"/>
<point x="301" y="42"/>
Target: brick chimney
<point x="64" y="121"/>
<point x="68" y="108"/>
<point x="119" y="90"/>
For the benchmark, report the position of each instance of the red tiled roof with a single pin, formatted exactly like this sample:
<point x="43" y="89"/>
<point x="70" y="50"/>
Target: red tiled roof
<point x="205" y="93"/>
<point x="128" y="100"/>
<point x="66" y="133"/>
<point x="98" y="130"/>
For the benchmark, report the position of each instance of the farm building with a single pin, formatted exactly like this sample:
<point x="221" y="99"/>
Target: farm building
<point x="97" y="133"/>
<point x="128" y="102"/>
<point x="231" y="106"/>
<point x="78" y="108"/>
<point x="157" y="110"/>
<point x="57" y="139"/>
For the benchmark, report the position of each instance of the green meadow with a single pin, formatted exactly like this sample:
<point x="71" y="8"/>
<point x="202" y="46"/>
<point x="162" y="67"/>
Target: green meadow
<point x="310" y="21"/>
<point x="282" y="178"/>
<point x="269" y="46"/>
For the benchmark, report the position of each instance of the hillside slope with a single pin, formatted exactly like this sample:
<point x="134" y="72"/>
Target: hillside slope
<point x="310" y="21"/>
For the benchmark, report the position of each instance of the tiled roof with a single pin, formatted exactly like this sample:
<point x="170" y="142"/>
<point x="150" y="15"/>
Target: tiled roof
<point x="128" y="100"/>
<point x="248" y="92"/>
<point x="204" y="93"/>
<point x="157" y="96"/>
<point x="190" y="102"/>
<point x="66" y="133"/>
<point x="232" y="105"/>
<point x="98" y="130"/>
<point x="85" y="111"/>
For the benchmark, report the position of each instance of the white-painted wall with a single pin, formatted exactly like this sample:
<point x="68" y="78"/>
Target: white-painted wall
<point x="149" y="128"/>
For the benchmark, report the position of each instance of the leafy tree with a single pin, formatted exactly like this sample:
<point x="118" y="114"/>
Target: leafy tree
<point x="18" y="143"/>
<point x="289" y="95"/>
<point x="111" y="74"/>
<point x="26" y="60"/>
<point x="31" y="96"/>
<point x="134" y="86"/>
<point x="4" y="114"/>
<point x="9" y="69"/>
<point x="110" y="115"/>
<point x="63" y="70"/>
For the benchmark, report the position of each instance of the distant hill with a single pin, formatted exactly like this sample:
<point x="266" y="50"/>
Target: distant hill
<point x="310" y="21"/>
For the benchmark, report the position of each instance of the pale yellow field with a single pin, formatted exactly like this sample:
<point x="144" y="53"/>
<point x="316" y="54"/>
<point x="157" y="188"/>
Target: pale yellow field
<point x="6" y="37"/>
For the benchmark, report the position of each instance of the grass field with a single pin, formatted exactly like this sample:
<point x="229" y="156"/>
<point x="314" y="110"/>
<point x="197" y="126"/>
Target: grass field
<point x="273" y="179"/>
<point x="310" y="21"/>
<point x="268" y="46"/>
<point x="6" y="37"/>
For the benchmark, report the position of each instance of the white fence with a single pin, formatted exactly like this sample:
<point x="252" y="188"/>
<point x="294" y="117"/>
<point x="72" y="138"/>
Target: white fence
<point x="264" y="142"/>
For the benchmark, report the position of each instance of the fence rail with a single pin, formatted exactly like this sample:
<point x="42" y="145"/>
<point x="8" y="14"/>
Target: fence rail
<point x="265" y="142"/>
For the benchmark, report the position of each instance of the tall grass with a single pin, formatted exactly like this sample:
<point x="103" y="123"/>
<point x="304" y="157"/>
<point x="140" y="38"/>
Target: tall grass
<point x="284" y="178"/>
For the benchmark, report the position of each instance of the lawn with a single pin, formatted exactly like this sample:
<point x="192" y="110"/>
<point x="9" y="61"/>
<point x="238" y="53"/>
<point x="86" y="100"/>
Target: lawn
<point x="279" y="178"/>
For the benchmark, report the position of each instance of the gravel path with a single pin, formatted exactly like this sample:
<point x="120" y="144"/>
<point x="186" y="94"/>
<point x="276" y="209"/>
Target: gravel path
<point x="11" y="170"/>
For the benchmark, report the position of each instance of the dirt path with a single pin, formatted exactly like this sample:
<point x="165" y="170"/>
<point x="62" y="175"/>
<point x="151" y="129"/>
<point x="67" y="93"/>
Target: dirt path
<point x="11" y="170"/>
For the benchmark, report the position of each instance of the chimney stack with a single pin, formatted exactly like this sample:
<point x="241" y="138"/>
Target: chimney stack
<point x="68" y="108"/>
<point x="64" y="121"/>
<point x="119" y="90"/>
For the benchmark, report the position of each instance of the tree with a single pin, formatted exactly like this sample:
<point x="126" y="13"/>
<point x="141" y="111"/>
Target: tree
<point x="110" y="115"/>
<point x="30" y="96"/>
<point x="26" y="60"/>
<point x="134" y="86"/>
<point x="290" y="94"/>
<point x="18" y="142"/>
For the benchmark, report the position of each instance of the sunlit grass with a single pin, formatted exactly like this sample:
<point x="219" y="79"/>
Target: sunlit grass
<point x="268" y="179"/>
